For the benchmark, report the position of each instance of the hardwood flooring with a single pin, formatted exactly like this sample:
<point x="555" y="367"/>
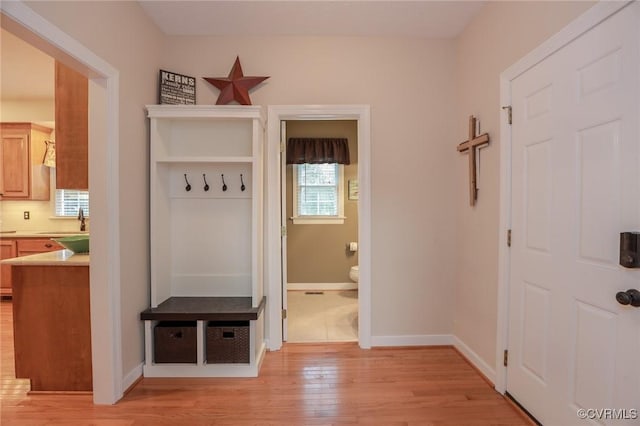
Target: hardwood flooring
<point x="302" y="384"/>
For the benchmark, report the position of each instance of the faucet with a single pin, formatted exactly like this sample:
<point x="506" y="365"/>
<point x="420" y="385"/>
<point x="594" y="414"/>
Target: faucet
<point x="83" y="226"/>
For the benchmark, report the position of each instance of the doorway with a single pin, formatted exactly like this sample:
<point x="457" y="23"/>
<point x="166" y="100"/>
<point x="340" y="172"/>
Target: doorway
<point x="320" y="218"/>
<point x="574" y="153"/>
<point x="276" y="320"/>
<point x="21" y="21"/>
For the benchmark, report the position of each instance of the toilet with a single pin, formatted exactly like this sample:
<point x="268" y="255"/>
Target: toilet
<point x="354" y="273"/>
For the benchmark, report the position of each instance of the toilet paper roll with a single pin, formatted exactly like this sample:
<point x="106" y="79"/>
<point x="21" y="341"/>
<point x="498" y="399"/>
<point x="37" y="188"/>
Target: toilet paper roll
<point x="353" y="246"/>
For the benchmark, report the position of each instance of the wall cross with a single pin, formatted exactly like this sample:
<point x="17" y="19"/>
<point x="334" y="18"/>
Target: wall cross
<point x="470" y="146"/>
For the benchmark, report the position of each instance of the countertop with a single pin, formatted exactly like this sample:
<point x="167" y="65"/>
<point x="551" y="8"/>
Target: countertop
<point x="52" y="258"/>
<point x="39" y="234"/>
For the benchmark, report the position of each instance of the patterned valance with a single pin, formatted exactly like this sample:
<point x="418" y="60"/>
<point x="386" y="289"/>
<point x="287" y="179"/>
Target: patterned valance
<point x="318" y="150"/>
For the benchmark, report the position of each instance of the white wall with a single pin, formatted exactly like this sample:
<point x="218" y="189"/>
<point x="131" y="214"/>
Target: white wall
<point x="121" y="34"/>
<point x="409" y="84"/>
<point x="497" y="37"/>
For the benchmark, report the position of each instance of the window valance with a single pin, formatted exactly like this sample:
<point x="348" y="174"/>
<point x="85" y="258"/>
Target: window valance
<point x="318" y="150"/>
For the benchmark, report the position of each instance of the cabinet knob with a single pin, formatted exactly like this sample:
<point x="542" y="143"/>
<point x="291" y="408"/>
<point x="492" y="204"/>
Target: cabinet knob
<point x="48" y="245"/>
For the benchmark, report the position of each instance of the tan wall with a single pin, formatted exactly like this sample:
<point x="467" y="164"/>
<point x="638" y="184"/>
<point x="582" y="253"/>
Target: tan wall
<point x="496" y="38"/>
<point x="317" y="253"/>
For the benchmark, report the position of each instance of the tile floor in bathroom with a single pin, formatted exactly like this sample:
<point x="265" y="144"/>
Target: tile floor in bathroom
<point x="328" y="317"/>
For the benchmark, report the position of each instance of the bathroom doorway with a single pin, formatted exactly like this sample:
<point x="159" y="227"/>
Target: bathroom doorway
<point x="320" y="243"/>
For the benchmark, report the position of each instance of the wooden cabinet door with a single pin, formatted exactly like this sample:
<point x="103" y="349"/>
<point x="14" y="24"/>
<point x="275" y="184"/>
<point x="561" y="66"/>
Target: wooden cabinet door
<point x="22" y="174"/>
<point x="7" y="251"/>
<point x="15" y="164"/>
<point x="72" y="129"/>
<point x="30" y="246"/>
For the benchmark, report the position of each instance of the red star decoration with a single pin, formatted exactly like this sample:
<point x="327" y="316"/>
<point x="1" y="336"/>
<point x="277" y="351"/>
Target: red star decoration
<point x="236" y="86"/>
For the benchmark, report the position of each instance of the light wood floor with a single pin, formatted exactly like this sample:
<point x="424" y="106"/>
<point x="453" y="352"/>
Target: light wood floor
<point x="303" y="384"/>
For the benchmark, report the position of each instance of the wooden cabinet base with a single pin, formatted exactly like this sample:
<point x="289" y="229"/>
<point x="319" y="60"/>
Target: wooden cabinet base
<point x="52" y="327"/>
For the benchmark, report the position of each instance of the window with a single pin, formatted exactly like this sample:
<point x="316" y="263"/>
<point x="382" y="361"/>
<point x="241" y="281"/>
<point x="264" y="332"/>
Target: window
<point x="68" y="202"/>
<point x="318" y="194"/>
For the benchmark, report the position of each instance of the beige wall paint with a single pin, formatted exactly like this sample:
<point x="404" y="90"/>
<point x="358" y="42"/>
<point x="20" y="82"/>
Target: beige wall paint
<point x="497" y="37"/>
<point x="317" y="253"/>
<point x="429" y="247"/>
<point x="36" y="111"/>
<point x="409" y="85"/>
<point x="121" y="34"/>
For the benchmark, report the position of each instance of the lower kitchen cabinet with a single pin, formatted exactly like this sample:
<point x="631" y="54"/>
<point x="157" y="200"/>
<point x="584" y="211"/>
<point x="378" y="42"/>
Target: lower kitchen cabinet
<point x="35" y="246"/>
<point x="7" y="251"/>
<point x="52" y="327"/>
<point x="18" y="248"/>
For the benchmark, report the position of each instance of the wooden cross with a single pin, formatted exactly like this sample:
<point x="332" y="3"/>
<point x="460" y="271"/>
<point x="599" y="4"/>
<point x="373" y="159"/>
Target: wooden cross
<point x="471" y="145"/>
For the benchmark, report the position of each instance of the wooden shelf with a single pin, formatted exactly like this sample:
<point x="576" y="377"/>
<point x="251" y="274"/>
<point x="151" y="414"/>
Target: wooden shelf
<point x="206" y="309"/>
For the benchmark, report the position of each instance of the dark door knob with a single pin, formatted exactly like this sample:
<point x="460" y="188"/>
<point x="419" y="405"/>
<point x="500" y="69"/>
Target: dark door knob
<point x="629" y="297"/>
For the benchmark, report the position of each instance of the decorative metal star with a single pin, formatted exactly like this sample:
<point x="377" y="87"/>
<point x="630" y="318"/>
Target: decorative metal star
<point x="236" y="86"/>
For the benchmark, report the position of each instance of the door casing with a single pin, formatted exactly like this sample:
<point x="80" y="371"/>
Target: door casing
<point x="109" y="381"/>
<point x="276" y="114"/>
<point x="582" y="24"/>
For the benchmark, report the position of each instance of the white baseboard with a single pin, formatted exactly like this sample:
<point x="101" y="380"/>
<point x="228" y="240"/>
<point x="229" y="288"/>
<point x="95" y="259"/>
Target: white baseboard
<point x="413" y="340"/>
<point x="475" y="359"/>
<point x="131" y="377"/>
<point x="321" y="286"/>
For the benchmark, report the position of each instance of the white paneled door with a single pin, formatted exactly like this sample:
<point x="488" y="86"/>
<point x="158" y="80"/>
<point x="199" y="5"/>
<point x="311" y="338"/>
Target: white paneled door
<point x="575" y="187"/>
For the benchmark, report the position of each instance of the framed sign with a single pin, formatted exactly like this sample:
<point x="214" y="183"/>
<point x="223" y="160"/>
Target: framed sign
<point x="177" y="89"/>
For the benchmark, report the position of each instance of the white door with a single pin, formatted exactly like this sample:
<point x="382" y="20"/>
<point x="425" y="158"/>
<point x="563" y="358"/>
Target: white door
<point x="575" y="187"/>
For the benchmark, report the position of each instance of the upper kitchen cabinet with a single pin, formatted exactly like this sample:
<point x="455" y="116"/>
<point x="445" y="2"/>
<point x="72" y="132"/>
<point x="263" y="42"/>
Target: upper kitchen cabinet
<point x="72" y="129"/>
<point x="22" y="174"/>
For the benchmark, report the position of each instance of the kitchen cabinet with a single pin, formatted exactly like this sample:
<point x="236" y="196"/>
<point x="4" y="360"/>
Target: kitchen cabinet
<point x="7" y="251"/>
<point x="10" y="248"/>
<point x="22" y="174"/>
<point x="72" y="128"/>
<point x="26" y="247"/>
<point x="52" y="326"/>
<point x="206" y="221"/>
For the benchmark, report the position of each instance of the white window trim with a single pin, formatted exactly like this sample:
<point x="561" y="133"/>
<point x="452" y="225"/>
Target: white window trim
<point x="319" y="220"/>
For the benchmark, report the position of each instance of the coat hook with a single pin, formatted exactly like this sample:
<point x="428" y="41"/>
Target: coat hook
<point x="206" y="185"/>
<point x="242" y="187"/>
<point x="188" y="187"/>
<point x="224" y="185"/>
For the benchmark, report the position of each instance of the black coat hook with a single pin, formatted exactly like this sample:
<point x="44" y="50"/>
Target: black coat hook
<point x="206" y="185"/>
<point x="242" y="187"/>
<point x="224" y="185"/>
<point x="188" y="187"/>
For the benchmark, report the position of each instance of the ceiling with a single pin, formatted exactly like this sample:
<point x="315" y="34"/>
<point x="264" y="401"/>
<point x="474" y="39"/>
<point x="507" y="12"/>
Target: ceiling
<point x="27" y="73"/>
<point x="416" y="18"/>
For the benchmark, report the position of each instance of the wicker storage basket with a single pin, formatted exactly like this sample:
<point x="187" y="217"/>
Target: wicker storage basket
<point x="227" y="342"/>
<point x="175" y="341"/>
